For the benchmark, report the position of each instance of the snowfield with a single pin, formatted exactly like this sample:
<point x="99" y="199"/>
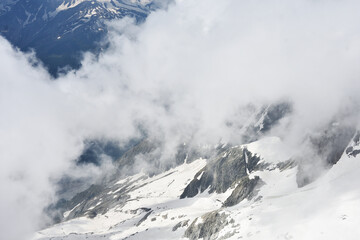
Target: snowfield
<point x="325" y="209"/>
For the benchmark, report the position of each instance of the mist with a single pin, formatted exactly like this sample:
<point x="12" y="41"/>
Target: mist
<point x="180" y="76"/>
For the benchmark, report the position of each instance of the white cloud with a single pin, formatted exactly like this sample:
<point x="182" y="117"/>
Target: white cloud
<point x="181" y="74"/>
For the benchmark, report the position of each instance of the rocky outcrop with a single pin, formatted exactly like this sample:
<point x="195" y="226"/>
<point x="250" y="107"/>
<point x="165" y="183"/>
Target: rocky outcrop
<point x="208" y="226"/>
<point x="93" y="201"/>
<point x="354" y="150"/>
<point x="247" y="188"/>
<point x="144" y="218"/>
<point x="223" y="172"/>
<point x="181" y="224"/>
<point x="265" y="119"/>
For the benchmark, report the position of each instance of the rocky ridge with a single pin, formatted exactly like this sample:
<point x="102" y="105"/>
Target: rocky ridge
<point x="60" y="30"/>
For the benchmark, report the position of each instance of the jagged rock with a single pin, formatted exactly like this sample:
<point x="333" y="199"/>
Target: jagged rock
<point x="286" y="165"/>
<point x="351" y="151"/>
<point x="266" y="118"/>
<point x="223" y="172"/>
<point x="180" y="224"/>
<point x="208" y="228"/>
<point x="94" y="198"/>
<point x="143" y="218"/>
<point x="176" y="226"/>
<point x="274" y="113"/>
<point x="247" y="188"/>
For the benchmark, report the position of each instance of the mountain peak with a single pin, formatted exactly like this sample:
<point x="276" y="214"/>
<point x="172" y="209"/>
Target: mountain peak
<point x="60" y="30"/>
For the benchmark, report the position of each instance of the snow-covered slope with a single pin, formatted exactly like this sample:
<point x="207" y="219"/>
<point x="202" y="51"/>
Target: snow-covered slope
<point x="276" y="208"/>
<point x="325" y="209"/>
<point x="152" y="208"/>
<point x="59" y="30"/>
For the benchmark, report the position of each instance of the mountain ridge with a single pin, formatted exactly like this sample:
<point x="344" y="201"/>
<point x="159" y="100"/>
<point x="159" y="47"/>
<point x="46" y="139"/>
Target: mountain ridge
<point x="60" y="31"/>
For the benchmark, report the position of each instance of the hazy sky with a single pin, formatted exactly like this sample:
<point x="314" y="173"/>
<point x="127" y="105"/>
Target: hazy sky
<point x="182" y="74"/>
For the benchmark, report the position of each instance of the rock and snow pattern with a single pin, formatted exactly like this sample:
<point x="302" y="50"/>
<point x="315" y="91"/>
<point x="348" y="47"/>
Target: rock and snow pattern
<point x="59" y="30"/>
<point x="179" y="119"/>
<point x="152" y="207"/>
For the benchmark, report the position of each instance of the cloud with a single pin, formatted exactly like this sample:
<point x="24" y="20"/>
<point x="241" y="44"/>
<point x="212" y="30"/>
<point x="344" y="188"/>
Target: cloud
<point x="180" y="76"/>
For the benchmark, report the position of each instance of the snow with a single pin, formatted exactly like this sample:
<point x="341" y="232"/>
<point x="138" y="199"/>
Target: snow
<point x="200" y="175"/>
<point x="66" y="214"/>
<point x="325" y="209"/>
<point x="107" y="4"/>
<point x="66" y="5"/>
<point x="270" y="148"/>
<point x="160" y="193"/>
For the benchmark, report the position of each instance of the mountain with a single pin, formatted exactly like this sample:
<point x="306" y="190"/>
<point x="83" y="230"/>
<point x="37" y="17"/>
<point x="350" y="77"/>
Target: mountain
<point x="248" y="191"/>
<point x="255" y="190"/>
<point x="60" y="30"/>
<point x="260" y="184"/>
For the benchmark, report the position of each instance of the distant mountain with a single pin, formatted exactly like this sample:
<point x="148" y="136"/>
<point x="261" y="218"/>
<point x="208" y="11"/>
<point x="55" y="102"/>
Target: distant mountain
<point x="59" y="30"/>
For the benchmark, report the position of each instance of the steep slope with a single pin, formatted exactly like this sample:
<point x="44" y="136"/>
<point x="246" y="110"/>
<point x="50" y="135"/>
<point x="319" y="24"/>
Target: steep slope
<point x="59" y="30"/>
<point x="142" y="207"/>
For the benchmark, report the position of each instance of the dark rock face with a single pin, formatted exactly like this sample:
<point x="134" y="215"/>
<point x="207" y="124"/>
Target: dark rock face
<point x="144" y="218"/>
<point x="95" y="200"/>
<point x="223" y="172"/>
<point x="60" y="35"/>
<point x="181" y="224"/>
<point x="351" y="151"/>
<point x="266" y="118"/>
<point x="274" y="113"/>
<point x="247" y="188"/>
<point x="211" y="225"/>
<point x="286" y="165"/>
<point x="81" y="202"/>
<point x="326" y="148"/>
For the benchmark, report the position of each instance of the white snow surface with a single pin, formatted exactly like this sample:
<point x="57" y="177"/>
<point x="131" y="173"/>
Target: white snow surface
<point x="328" y="208"/>
<point x="109" y="4"/>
